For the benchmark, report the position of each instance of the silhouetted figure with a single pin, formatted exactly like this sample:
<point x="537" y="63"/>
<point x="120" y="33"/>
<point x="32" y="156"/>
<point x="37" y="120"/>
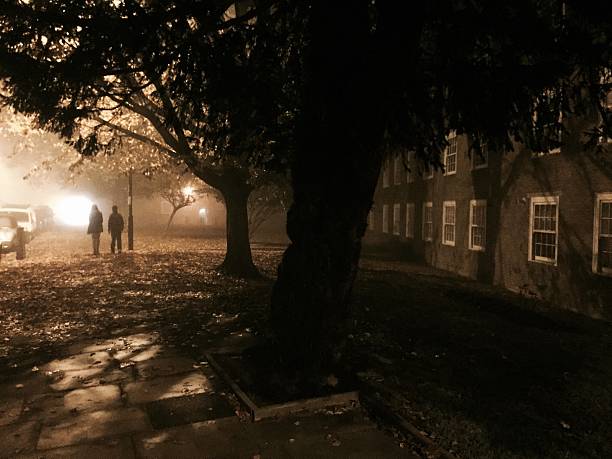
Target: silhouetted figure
<point x="95" y="228"/>
<point x="115" y="227"/>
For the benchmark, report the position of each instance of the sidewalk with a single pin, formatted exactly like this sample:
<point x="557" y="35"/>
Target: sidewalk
<point x="130" y="397"/>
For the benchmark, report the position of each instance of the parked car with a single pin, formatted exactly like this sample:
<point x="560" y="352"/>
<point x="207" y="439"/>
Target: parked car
<point x="8" y="234"/>
<point x="24" y="216"/>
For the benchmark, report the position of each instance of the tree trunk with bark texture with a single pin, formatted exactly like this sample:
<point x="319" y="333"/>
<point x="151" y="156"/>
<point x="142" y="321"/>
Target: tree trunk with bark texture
<point x="333" y="178"/>
<point x="174" y="211"/>
<point x="238" y="260"/>
<point x="233" y="184"/>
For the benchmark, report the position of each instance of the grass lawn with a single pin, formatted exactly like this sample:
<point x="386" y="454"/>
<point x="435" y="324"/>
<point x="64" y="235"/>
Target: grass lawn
<point x="485" y="373"/>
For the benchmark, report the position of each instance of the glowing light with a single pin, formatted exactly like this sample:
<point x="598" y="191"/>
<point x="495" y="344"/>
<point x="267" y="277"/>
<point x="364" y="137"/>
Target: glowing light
<point x="188" y="190"/>
<point x="73" y="211"/>
<point x="202" y="212"/>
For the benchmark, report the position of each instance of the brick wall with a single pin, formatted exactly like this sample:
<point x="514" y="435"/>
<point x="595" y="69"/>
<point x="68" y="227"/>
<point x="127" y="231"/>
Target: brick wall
<point x="508" y="183"/>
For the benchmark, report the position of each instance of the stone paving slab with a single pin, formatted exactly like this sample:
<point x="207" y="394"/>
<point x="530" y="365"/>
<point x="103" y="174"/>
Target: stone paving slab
<point x="94" y="425"/>
<point x="129" y="342"/>
<point x="153" y="368"/>
<point x="24" y="385"/>
<point x="88" y="360"/>
<point x="110" y="449"/>
<point x="301" y="426"/>
<point x="130" y="397"/>
<point x="142" y="354"/>
<point x="357" y="445"/>
<point x="18" y="438"/>
<point x="10" y="409"/>
<point x="49" y="409"/>
<point x="225" y="438"/>
<point x="177" y="411"/>
<point x="324" y="435"/>
<point x="311" y="437"/>
<point x="93" y="398"/>
<point x="167" y="387"/>
<point x="88" y="377"/>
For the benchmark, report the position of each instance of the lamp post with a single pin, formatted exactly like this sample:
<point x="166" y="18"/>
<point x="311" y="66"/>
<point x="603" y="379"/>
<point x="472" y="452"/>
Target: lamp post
<point x="130" y="214"/>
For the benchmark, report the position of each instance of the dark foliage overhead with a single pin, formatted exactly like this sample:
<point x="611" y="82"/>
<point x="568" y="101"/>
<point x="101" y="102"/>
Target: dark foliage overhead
<point x="231" y="84"/>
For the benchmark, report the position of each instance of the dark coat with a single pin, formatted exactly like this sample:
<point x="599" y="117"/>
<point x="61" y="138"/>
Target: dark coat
<point x="95" y="223"/>
<point x="115" y="223"/>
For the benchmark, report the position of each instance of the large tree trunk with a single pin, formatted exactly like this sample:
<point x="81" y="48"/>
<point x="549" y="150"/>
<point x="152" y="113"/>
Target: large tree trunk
<point x="333" y="179"/>
<point x="311" y="297"/>
<point x="238" y="259"/>
<point x="233" y="184"/>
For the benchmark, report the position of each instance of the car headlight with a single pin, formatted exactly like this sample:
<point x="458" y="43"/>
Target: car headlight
<point x="6" y="235"/>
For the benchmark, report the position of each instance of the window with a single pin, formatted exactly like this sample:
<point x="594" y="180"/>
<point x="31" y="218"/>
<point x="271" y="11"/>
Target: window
<point x="602" y="234"/>
<point x="396" y="219"/>
<point x="606" y="79"/>
<point x="410" y="161"/>
<point x="371" y="220"/>
<point x="480" y="159"/>
<point x="543" y="229"/>
<point x="450" y="155"/>
<point x="478" y="225"/>
<point x="386" y="173"/>
<point x="427" y="221"/>
<point x="550" y="127"/>
<point x="449" y="215"/>
<point x="428" y="172"/>
<point x="410" y="220"/>
<point x="385" y="227"/>
<point x="397" y="170"/>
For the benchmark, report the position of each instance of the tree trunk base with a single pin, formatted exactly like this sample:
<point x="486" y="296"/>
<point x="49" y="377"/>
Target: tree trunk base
<point x="239" y="269"/>
<point x="275" y="381"/>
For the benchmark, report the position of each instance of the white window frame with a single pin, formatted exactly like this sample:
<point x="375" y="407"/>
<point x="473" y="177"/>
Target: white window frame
<point x="546" y="200"/>
<point x="599" y="198"/>
<point x="385" y="218"/>
<point x="477" y="203"/>
<point x="445" y="205"/>
<point x="426" y="205"/>
<point x="385" y="174"/>
<point x="397" y="164"/>
<point x="397" y="216"/>
<point x="453" y="140"/>
<point x="484" y="150"/>
<point x="410" y="211"/>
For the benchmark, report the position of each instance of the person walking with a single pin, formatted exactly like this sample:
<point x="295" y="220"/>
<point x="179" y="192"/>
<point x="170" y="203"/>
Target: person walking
<point x="115" y="227"/>
<point x="95" y="228"/>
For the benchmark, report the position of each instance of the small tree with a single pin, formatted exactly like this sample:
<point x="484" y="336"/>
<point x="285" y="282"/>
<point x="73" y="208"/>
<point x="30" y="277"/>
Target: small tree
<point x="179" y="193"/>
<point x="267" y="200"/>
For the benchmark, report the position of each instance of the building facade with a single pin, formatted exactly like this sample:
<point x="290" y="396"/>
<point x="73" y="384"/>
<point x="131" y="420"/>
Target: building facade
<point x="538" y="224"/>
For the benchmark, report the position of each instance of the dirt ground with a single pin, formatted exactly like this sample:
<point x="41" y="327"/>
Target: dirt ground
<point x="481" y="371"/>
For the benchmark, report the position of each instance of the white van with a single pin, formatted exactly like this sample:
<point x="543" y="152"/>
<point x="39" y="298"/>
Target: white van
<point x="24" y="216"/>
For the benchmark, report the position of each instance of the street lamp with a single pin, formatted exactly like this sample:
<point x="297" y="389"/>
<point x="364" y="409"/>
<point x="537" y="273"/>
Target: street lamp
<point x="188" y="191"/>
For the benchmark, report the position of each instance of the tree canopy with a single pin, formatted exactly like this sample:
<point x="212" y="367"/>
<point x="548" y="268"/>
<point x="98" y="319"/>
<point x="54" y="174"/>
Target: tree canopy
<point x="187" y="78"/>
<point x="328" y="87"/>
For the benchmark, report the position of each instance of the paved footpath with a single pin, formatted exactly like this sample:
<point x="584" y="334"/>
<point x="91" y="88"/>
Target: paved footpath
<point x="131" y="397"/>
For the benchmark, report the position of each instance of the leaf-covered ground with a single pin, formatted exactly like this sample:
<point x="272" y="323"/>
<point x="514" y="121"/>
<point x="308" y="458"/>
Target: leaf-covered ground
<point x="61" y="294"/>
<point x="484" y="372"/>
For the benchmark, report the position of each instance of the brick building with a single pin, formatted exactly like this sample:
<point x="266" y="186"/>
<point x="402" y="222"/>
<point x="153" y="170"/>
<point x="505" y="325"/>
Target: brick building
<point x="538" y="224"/>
